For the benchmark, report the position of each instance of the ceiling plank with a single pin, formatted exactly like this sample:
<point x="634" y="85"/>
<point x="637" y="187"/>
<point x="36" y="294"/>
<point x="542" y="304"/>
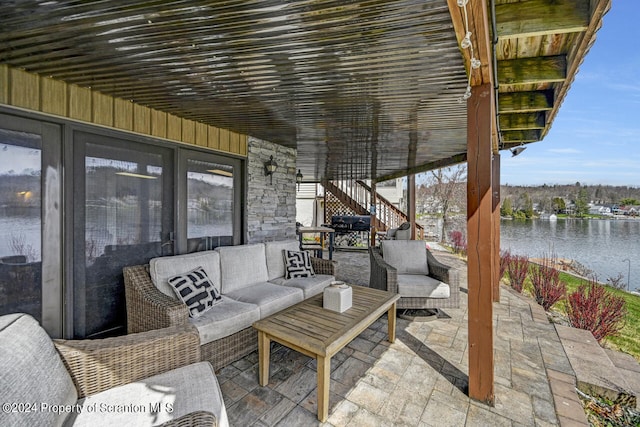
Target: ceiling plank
<point x="525" y="101"/>
<point x="521" y="136"/>
<point x="509" y="122"/>
<point x="542" y="17"/>
<point x="532" y="70"/>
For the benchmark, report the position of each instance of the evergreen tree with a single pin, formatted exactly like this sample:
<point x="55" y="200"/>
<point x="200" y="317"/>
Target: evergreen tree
<point x="582" y="202"/>
<point x="505" y="208"/>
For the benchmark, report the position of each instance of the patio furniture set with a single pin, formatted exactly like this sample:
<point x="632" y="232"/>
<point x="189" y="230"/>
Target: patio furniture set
<point x="163" y="371"/>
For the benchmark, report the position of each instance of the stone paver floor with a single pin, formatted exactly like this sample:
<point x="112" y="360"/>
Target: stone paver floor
<point x="421" y="379"/>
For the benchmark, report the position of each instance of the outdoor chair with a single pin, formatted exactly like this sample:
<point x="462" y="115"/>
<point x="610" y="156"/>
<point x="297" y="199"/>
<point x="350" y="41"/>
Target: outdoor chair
<point x="408" y="268"/>
<point x="401" y="233"/>
<point x="150" y="378"/>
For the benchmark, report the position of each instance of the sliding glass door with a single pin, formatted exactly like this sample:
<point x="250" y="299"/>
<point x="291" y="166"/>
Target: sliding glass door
<point x="134" y="201"/>
<point x="77" y="204"/>
<point x="123" y="216"/>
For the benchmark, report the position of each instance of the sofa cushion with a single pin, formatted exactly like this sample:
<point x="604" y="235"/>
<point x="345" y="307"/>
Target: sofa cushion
<point x="163" y="268"/>
<point x="406" y="256"/>
<point x="297" y="264"/>
<point x="269" y="297"/>
<point x="156" y="400"/>
<point x="224" y="319"/>
<point x="32" y="371"/>
<point x="310" y="285"/>
<point x="415" y="285"/>
<point x="275" y="259"/>
<point x="242" y="266"/>
<point x="196" y="290"/>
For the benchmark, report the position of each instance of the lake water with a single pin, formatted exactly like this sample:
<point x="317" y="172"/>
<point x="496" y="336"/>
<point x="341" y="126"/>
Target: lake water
<point x="600" y="245"/>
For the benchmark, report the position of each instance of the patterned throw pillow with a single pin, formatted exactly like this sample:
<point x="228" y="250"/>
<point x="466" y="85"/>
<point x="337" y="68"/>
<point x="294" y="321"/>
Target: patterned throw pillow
<point x="297" y="264"/>
<point x="196" y="290"/>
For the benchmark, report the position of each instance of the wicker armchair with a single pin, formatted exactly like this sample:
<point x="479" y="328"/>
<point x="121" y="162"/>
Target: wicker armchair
<point x="58" y="372"/>
<point x="384" y="276"/>
<point x="148" y="309"/>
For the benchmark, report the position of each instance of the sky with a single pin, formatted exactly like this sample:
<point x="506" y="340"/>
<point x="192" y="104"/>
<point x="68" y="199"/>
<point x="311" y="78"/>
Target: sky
<point x="595" y="137"/>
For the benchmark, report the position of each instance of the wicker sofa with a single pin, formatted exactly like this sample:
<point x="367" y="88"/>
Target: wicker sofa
<point x="152" y="378"/>
<point x="252" y="283"/>
<point x="407" y="267"/>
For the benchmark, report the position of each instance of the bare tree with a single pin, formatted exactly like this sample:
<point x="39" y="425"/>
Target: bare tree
<point x="446" y="191"/>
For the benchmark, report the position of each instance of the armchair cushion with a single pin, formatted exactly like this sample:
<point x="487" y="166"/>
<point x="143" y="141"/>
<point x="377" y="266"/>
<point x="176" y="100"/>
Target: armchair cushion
<point x="406" y="256"/>
<point x="419" y="286"/>
<point x="161" y="269"/>
<point x="196" y="290"/>
<point x="155" y="400"/>
<point x="32" y="371"/>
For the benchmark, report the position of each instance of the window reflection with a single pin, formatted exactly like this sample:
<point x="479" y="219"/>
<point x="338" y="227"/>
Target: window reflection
<point x="20" y="223"/>
<point x="209" y="205"/>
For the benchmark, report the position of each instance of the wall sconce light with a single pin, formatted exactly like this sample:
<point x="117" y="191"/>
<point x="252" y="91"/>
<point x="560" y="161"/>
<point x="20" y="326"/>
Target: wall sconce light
<point x="299" y="179"/>
<point x="517" y="150"/>
<point x="270" y="167"/>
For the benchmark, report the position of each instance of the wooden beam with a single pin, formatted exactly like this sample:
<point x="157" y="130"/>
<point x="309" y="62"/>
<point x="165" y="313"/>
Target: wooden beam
<point x="542" y="17"/>
<point x="411" y="203"/>
<point x="495" y="185"/>
<point x="522" y="121"/>
<point x="545" y="69"/>
<point x="449" y="161"/>
<point x="480" y="254"/>
<point x="522" y="102"/>
<point x="477" y="13"/>
<point x="521" y="136"/>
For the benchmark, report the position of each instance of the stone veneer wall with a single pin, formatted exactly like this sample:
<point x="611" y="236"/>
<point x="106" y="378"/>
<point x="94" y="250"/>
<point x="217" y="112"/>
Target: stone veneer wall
<point x="271" y="208"/>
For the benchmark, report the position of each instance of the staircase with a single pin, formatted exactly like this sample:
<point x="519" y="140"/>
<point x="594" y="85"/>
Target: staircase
<point x="356" y="196"/>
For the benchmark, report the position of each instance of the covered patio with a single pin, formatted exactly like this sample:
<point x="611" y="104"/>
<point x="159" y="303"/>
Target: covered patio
<point x="422" y="378"/>
<point x="331" y="90"/>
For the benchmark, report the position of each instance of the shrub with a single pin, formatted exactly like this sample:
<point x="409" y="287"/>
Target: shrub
<point x="617" y="281"/>
<point x="517" y="267"/>
<point x="594" y="308"/>
<point x="547" y="286"/>
<point x="459" y="241"/>
<point x="504" y="260"/>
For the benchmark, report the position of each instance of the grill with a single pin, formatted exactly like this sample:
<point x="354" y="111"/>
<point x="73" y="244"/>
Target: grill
<point x="350" y="223"/>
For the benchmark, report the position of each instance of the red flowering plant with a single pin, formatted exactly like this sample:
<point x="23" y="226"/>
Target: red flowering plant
<point x="545" y="280"/>
<point x="594" y="308"/>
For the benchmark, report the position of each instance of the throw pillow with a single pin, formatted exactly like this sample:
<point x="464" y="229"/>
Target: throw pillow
<point x="297" y="264"/>
<point x="196" y="290"/>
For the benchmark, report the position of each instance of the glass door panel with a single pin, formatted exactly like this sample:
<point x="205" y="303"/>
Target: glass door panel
<point x="125" y="211"/>
<point x="209" y="201"/>
<point x="20" y="223"/>
<point x="210" y="207"/>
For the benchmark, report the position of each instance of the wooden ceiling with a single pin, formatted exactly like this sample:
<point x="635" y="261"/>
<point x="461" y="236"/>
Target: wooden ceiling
<point x="362" y="89"/>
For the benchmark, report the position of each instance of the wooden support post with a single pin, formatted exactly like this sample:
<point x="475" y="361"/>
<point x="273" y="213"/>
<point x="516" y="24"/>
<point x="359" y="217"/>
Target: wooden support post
<point x="480" y="254"/>
<point x="411" y="203"/>
<point x="495" y="184"/>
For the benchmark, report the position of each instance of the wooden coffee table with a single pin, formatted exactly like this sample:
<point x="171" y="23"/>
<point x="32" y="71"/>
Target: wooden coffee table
<point x="320" y="333"/>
